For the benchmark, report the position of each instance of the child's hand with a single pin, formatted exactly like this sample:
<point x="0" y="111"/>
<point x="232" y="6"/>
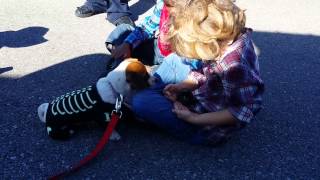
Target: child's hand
<point x="171" y="91"/>
<point x="123" y="51"/>
<point x="183" y="112"/>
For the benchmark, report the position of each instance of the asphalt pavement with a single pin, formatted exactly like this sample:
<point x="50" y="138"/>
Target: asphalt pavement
<point x="46" y="51"/>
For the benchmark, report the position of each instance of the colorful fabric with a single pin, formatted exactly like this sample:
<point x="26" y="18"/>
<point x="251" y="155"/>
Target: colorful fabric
<point x="232" y="83"/>
<point x="148" y="28"/>
<point x="163" y="45"/>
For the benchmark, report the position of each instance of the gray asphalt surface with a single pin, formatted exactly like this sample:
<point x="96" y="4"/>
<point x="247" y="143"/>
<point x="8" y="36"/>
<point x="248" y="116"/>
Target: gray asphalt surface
<point x="46" y="51"/>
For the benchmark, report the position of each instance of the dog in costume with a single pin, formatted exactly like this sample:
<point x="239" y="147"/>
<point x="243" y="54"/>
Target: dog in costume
<point x="94" y="102"/>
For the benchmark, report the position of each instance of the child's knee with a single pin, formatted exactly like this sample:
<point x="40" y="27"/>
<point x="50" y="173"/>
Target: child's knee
<point x="138" y="103"/>
<point x="118" y="35"/>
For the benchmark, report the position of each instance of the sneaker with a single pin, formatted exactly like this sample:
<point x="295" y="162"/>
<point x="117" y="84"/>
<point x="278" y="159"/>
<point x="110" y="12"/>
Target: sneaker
<point x="124" y="20"/>
<point x="84" y="11"/>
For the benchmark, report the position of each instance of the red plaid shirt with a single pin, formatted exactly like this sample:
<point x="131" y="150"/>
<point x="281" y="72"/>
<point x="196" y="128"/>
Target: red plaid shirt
<point x="232" y="83"/>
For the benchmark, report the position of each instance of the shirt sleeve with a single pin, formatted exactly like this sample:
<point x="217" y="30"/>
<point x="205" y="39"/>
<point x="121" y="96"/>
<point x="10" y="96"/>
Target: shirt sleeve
<point x="196" y="74"/>
<point x="196" y="77"/>
<point x="147" y="28"/>
<point x="243" y="92"/>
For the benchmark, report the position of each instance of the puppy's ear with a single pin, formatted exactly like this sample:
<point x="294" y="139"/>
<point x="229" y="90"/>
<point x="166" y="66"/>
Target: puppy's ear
<point x="137" y="75"/>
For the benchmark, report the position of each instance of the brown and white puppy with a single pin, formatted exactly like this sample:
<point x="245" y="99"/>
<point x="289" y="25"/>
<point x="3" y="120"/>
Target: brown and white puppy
<point x="128" y="77"/>
<point x="136" y="75"/>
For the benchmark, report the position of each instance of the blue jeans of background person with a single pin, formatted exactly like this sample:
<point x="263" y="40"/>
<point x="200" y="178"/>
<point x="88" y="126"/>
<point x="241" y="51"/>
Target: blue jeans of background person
<point x="114" y="8"/>
<point x="147" y="52"/>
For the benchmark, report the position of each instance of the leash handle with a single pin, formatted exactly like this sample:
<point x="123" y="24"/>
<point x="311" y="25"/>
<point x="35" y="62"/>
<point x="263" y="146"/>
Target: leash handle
<point x="115" y="116"/>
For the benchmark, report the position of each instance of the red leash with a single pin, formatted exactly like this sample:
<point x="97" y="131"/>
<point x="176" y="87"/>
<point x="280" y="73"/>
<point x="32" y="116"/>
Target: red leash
<point x="115" y="116"/>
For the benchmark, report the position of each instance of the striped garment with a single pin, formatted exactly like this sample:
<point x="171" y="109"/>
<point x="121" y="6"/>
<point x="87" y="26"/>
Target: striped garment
<point x="148" y="28"/>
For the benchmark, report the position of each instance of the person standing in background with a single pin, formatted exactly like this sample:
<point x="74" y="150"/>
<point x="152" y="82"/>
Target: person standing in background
<point x="118" y="11"/>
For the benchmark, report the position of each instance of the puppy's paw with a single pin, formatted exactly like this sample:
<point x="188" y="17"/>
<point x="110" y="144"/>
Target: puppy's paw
<point x="115" y="136"/>
<point x="42" y="112"/>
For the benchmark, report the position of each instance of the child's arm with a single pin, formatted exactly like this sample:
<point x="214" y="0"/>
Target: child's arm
<point x="171" y="90"/>
<point x="223" y="117"/>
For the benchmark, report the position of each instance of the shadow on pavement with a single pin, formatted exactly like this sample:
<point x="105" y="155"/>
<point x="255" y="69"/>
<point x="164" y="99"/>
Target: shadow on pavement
<point x="6" y="69"/>
<point x="280" y="143"/>
<point x="24" y="37"/>
<point x="73" y="73"/>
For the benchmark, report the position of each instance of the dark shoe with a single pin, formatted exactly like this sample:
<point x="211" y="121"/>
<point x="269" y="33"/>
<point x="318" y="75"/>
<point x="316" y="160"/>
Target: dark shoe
<point x="84" y="11"/>
<point x="124" y="20"/>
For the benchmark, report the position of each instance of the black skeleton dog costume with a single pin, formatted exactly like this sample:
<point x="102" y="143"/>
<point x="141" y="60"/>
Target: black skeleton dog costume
<point x="93" y="102"/>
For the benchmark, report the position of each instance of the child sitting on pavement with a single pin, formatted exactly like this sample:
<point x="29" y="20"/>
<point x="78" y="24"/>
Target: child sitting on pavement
<point x="224" y="94"/>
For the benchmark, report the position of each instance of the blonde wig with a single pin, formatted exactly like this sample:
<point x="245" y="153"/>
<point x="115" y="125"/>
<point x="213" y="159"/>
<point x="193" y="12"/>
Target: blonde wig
<point x="201" y="29"/>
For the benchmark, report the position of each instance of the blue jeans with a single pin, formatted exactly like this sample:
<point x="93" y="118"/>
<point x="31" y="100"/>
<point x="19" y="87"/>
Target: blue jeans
<point x="148" y="51"/>
<point x="152" y="106"/>
<point x="114" y="8"/>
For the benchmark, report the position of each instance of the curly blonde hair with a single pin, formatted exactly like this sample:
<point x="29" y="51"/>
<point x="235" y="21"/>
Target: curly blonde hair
<point x="201" y="29"/>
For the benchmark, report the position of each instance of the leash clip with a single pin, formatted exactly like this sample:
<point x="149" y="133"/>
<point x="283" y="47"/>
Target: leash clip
<point x="118" y="105"/>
